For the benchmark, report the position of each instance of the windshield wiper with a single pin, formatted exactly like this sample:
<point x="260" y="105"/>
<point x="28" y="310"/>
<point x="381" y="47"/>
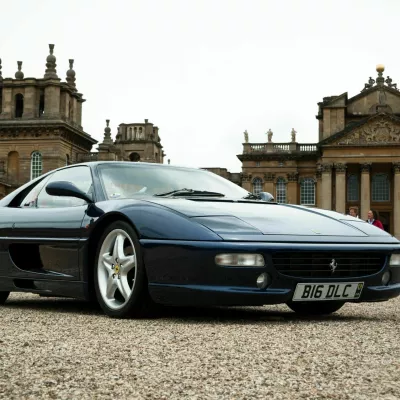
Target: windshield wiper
<point x="263" y="196"/>
<point x="190" y="192"/>
<point x="252" y="196"/>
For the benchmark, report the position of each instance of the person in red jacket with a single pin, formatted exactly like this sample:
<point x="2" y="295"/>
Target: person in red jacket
<point x="373" y="219"/>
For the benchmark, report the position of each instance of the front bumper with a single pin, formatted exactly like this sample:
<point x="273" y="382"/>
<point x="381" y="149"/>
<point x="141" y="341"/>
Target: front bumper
<point x="184" y="273"/>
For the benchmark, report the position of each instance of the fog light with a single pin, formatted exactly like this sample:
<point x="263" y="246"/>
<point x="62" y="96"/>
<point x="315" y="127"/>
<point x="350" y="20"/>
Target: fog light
<point x="394" y="260"/>
<point x="386" y="277"/>
<point x="263" y="281"/>
<point x="240" y="260"/>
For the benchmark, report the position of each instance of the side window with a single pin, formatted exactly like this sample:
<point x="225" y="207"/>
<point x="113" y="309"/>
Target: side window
<point x="30" y="200"/>
<point x="81" y="177"/>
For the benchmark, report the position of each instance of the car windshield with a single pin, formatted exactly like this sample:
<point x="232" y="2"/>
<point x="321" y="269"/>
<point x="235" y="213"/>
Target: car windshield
<point x="135" y="180"/>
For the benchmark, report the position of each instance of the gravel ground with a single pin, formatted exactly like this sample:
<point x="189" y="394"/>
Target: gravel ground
<point x="65" y="349"/>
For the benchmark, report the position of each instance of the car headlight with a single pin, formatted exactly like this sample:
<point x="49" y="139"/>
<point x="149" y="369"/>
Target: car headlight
<point x="240" y="260"/>
<point x="395" y="260"/>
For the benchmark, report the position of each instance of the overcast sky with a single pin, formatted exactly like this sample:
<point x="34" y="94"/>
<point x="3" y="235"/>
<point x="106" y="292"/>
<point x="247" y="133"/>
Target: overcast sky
<point x="203" y="71"/>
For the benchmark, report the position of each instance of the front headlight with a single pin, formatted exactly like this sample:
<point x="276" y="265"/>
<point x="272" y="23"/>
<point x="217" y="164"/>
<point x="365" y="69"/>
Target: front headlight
<point x="395" y="260"/>
<point x="240" y="260"/>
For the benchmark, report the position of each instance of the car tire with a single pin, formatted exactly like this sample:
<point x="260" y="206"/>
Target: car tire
<point x="120" y="279"/>
<point x="4" y="297"/>
<point x="312" y="308"/>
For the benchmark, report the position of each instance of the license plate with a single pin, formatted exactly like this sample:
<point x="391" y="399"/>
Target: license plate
<point x="327" y="291"/>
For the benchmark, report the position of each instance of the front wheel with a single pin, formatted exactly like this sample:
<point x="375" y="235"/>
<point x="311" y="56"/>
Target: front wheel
<point x="119" y="277"/>
<point x="3" y="297"/>
<point x="313" y="308"/>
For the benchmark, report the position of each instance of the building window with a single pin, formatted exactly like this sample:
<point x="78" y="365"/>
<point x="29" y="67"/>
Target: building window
<point x="41" y="103"/>
<point x="19" y="105"/>
<point x="307" y="192"/>
<point x="130" y="137"/>
<point x="257" y="185"/>
<point x="36" y="165"/>
<point x="1" y="100"/>
<point x="380" y="187"/>
<point x="257" y="163"/>
<point x="281" y="190"/>
<point x="67" y="159"/>
<point x="352" y="188"/>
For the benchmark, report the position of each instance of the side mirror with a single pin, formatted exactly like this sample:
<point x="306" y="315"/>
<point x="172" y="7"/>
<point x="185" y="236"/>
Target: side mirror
<point x="67" y="189"/>
<point x="265" y="196"/>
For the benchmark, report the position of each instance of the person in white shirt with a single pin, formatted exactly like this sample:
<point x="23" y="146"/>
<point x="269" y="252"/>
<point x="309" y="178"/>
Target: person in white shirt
<point x="353" y="211"/>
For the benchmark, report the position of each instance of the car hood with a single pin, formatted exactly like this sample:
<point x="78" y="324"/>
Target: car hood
<point x="254" y="217"/>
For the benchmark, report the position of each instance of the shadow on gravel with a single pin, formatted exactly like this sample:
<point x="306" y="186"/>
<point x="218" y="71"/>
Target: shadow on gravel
<point x="186" y="314"/>
<point x="53" y="304"/>
<point x="248" y="315"/>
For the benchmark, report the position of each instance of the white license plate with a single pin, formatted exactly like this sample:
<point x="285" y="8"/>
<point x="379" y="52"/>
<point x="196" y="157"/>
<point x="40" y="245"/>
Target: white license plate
<point x="327" y="291"/>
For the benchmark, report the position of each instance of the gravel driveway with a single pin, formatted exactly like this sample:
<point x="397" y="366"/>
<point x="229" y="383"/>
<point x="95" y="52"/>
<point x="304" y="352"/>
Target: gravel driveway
<point x="65" y="349"/>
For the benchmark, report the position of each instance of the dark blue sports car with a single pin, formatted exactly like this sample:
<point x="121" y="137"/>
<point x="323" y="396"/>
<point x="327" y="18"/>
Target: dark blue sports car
<point x="133" y="235"/>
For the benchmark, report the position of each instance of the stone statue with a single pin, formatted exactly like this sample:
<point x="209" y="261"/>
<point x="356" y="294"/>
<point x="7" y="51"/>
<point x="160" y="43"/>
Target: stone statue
<point x="389" y="81"/>
<point x="293" y="135"/>
<point x="382" y="98"/>
<point x="246" y="137"/>
<point x="270" y="133"/>
<point x="370" y="83"/>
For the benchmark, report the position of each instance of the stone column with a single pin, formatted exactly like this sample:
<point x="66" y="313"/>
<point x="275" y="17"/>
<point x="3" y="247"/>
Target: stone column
<point x="292" y="188"/>
<point x="269" y="184"/>
<point x="30" y="108"/>
<point x="340" y="188"/>
<point x="365" y="190"/>
<point x="319" y="187"/>
<point x="246" y="182"/>
<point x="7" y="102"/>
<point x="326" y="186"/>
<point x="79" y="114"/>
<point x="52" y="97"/>
<point x="396" y="200"/>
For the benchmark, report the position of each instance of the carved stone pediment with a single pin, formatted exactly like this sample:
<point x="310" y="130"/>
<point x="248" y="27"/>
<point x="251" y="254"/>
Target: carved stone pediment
<point x="376" y="131"/>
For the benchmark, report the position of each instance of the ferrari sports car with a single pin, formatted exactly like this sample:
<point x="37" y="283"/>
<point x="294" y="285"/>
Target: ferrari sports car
<point x="134" y="235"/>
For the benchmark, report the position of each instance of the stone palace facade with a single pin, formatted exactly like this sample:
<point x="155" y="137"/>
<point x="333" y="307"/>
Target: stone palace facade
<point x="356" y="161"/>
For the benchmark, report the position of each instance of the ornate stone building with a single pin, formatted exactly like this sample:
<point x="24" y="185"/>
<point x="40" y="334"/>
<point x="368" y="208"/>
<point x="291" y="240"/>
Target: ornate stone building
<point x="133" y="142"/>
<point x="356" y="161"/>
<point x="41" y="128"/>
<point x="40" y="124"/>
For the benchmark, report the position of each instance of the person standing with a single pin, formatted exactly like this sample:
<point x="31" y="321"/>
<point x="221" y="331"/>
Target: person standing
<point x="373" y="219"/>
<point x="353" y="211"/>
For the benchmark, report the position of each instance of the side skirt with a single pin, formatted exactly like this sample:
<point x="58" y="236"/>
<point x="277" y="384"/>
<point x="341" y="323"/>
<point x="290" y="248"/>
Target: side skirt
<point x="73" y="289"/>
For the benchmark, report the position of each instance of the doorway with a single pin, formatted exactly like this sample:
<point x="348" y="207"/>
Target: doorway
<point x="385" y="218"/>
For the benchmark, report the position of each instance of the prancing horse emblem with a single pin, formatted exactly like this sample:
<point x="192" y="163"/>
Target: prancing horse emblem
<point x="333" y="265"/>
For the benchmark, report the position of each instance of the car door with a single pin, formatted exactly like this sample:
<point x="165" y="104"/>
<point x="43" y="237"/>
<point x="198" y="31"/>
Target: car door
<point x="47" y="229"/>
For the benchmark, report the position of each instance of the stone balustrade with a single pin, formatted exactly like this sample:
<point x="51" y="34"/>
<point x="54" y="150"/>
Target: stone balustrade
<point x="270" y="147"/>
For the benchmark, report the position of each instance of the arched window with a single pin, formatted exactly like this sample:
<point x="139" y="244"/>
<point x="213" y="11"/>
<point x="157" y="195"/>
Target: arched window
<point x="352" y="188"/>
<point x="135" y="133"/>
<point x="380" y="187"/>
<point x="130" y="136"/>
<point x="41" y="103"/>
<point x="281" y="190"/>
<point x="36" y="165"/>
<point x="307" y="192"/>
<point x="134" y="157"/>
<point x="257" y="185"/>
<point x="19" y="105"/>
